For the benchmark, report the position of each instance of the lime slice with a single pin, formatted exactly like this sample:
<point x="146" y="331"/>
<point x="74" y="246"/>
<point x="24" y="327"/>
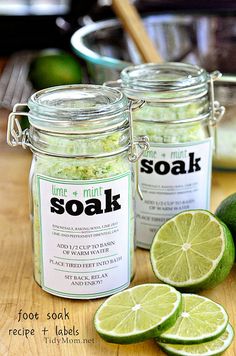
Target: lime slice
<point x="138" y="314"/>
<point x="192" y="251"/>
<point x="201" y="320"/>
<point x="210" y="348"/>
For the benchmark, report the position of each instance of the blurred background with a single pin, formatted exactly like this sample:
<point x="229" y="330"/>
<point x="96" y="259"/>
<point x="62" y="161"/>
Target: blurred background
<point x="51" y="42"/>
<point x="202" y="32"/>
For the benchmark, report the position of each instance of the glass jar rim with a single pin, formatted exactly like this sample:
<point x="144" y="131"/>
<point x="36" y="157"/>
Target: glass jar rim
<point x="76" y="105"/>
<point x="169" y="75"/>
<point x="167" y="82"/>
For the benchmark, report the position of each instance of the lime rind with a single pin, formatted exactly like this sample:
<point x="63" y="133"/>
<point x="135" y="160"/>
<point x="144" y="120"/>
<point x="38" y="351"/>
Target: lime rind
<point x="210" y="348"/>
<point x="201" y="320"/>
<point x="137" y="314"/>
<point x="194" y="270"/>
<point x="224" y="266"/>
<point x="226" y="212"/>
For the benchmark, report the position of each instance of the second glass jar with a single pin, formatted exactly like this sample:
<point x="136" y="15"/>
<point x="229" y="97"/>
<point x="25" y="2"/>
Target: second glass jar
<point x="178" y="116"/>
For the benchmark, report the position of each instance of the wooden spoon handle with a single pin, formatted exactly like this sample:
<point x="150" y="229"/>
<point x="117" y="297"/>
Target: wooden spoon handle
<point x="132" y="23"/>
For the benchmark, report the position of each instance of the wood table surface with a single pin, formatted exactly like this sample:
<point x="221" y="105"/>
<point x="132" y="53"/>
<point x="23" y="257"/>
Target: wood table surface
<point x="19" y="292"/>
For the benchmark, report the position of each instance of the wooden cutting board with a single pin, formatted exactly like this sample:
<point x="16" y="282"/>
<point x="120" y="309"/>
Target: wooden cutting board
<point x="19" y="292"/>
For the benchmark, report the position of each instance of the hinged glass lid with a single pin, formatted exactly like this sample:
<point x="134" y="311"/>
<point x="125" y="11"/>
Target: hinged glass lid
<point x="78" y="116"/>
<point x="78" y="108"/>
<point x="170" y="81"/>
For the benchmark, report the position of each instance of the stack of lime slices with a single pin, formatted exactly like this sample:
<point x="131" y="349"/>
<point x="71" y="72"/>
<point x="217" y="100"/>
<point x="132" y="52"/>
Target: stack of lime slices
<point x="210" y="348"/>
<point x="191" y="251"/>
<point x="194" y="250"/>
<point x="201" y="329"/>
<point x="184" y="324"/>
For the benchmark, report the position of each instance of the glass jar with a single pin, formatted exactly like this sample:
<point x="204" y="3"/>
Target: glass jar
<point x="179" y="116"/>
<point x="80" y="182"/>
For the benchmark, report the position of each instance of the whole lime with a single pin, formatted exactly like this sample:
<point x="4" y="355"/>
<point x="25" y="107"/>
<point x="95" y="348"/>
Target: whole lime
<point x="51" y="68"/>
<point x="226" y="212"/>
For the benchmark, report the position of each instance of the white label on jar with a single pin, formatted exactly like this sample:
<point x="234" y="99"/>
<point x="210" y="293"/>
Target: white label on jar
<point x="85" y="236"/>
<point x="172" y="178"/>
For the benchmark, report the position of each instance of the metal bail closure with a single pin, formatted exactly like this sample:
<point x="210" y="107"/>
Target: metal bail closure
<point x="138" y="146"/>
<point x="15" y="135"/>
<point x="141" y="144"/>
<point x="217" y="110"/>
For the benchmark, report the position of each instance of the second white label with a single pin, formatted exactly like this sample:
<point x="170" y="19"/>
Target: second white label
<point x="172" y="178"/>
